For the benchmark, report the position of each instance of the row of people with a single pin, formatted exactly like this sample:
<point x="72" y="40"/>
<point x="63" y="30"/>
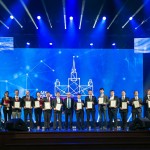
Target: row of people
<point x="12" y="108"/>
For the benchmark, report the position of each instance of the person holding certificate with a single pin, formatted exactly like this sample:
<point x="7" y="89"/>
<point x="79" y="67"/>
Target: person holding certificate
<point x="28" y="104"/>
<point x="68" y="108"/>
<point x="38" y="105"/>
<point x="147" y="104"/>
<point x="123" y="109"/>
<point x="102" y="109"/>
<point x="113" y="105"/>
<point x="7" y="106"/>
<point x="16" y="105"/>
<point x="136" y="104"/>
<point x="47" y="108"/>
<point x="78" y="105"/>
<point x="57" y="105"/>
<point x="90" y="103"/>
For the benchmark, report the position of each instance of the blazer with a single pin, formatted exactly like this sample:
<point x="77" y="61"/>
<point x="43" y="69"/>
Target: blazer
<point x="103" y="106"/>
<point x="120" y="104"/>
<point x="94" y="100"/>
<point x="133" y="108"/>
<point x="72" y="103"/>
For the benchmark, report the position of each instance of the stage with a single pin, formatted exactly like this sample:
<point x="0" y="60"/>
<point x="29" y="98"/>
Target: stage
<point x="74" y="139"/>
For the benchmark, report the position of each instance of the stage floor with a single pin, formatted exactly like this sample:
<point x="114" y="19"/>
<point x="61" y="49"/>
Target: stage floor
<point x="75" y="139"/>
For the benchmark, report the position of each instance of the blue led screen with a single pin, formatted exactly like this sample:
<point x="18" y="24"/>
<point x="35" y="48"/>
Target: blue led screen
<point x="38" y="69"/>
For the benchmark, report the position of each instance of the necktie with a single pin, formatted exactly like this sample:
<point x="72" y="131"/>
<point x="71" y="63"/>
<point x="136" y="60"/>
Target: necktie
<point x="68" y="104"/>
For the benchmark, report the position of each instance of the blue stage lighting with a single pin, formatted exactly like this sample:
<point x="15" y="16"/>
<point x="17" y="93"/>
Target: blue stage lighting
<point x="28" y="43"/>
<point x="12" y="17"/>
<point x="113" y="44"/>
<point x="50" y="43"/>
<point x="38" y="17"/>
<point x="130" y="18"/>
<point x="71" y="18"/>
<point x="104" y="18"/>
<point x="91" y="44"/>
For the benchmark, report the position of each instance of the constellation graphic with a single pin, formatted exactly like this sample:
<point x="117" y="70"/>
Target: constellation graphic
<point x="73" y="85"/>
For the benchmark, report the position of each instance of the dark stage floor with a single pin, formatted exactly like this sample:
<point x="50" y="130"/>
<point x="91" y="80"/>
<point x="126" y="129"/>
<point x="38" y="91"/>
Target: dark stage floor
<point x="75" y="139"/>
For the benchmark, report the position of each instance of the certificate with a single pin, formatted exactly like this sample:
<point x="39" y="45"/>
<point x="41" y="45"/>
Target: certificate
<point x="124" y="105"/>
<point x="58" y="106"/>
<point x="79" y="105"/>
<point x="89" y="105"/>
<point x="47" y="105"/>
<point x="37" y="104"/>
<point x="113" y="103"/>
<point x="148" y="104"/>
<point x="136" y="104"/>
<point x="28" y="104"/>
<point x="100" y="100"/>
<point x="17" y="104"/>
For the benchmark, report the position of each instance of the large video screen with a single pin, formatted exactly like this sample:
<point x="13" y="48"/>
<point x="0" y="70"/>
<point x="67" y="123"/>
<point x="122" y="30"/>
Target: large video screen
<point x="73" y="70"/>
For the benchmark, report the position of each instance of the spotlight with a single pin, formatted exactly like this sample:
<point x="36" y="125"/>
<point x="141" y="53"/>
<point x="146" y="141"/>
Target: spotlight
<point x="38" y="17"/>
<point x="104" y="18"/>
<point x="28" y="43"/>
<point x="113" y="44"/>
<point x="71" y="18"/>
<point x="91" y="44"/>
<point x="12" y="17"/>
<point x="50" y="43"/>
<point x="130" y="18"/>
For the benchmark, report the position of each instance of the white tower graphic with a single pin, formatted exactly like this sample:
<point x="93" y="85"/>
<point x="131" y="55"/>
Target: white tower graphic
<point x="73" y="85"/>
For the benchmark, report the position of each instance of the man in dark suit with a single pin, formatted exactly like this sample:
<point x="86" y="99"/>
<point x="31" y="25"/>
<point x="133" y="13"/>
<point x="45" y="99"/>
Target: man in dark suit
<point x="147" y="104"/>
<point x="136" y="104"/>
<point x="47" y="111"/>
<point x="16" y="112"/>
<point x="69" y="109"/>
<point x="102" y="108"/>
<point x="58" y="107"/>
<point x="78" y="105"/>
<point x="90" y="102"/>
<point x="123" y="109"/>
<point x="28" y="104"/>
<point x="113" y="105"/>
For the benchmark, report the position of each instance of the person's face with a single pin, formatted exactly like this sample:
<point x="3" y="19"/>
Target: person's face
<point x="123" y="93"/>
<point x="112" y="93"/>
<point x="79" y="96"/>
<point x="58" y="94"/>
<point x="17" y="93"/>
<point x="136" y="93"/>
<point x="69" y="95"/>
<point x="148" y="92"/>
<point x="6" y="94"/>
<point x="101" y="91"/>
<point x="47" y="94"/>
<point x="27" y="93"/>
<point x="38" y="94"/>
<point x="90" y="92"/>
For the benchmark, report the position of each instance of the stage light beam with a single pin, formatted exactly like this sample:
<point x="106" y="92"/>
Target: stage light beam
<point x="5" y="7"/>
<point x="64" y="12"/>
<point x="82" y="11"/>
<point x="29" y="14"/>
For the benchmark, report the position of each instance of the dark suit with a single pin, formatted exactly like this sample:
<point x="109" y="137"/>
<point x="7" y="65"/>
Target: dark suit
<point x="68" y="112"/>
<point x="38" y="111"/>
<point x="57" y="114"/>
<point x="102" y="108"/>
<point x="123" y="112"/>
<point x="147" y="109"/>
<point x="79" y="115"/>
<point x="28" y="111"/>
<point x="7" y="108"/>
<point x="91" y="111"/>
<point x="136" y="111"/>
<point x="112" y="112"/>
<point x="16" y="112"/>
